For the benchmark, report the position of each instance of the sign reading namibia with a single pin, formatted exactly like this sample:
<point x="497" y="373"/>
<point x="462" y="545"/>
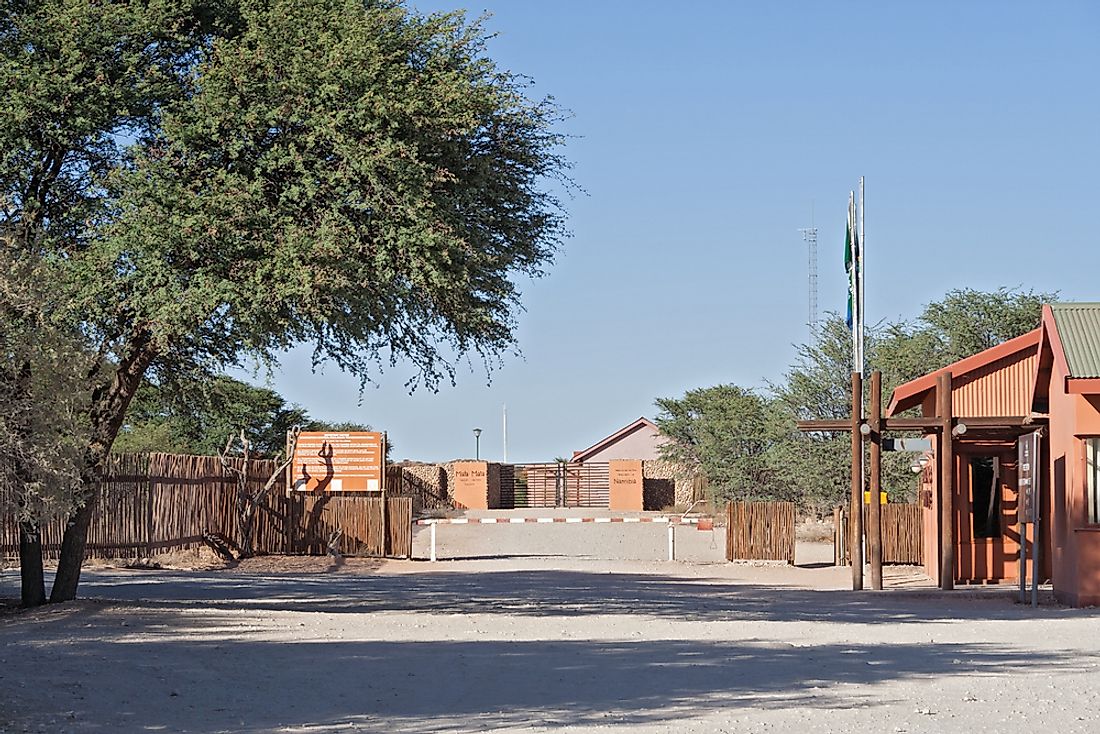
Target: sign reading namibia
<point x="338" y="462"/>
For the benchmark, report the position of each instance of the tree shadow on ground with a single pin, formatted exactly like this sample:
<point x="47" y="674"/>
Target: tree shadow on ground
<point x="183" y="670"/>
<point x="554" y="593"/>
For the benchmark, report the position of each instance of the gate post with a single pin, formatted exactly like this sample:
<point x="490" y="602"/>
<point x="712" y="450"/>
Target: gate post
<point x="559" y="485"/>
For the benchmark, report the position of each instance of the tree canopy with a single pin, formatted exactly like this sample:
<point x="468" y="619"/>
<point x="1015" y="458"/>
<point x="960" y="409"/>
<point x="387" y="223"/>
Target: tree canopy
<point x="215" y="181"/>
<point x="198" y="418"/>
<point x="708" y="427"/>
<point x="724" y="433"/>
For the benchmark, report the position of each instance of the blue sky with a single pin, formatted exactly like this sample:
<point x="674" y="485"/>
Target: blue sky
<point x="704" y="133"/>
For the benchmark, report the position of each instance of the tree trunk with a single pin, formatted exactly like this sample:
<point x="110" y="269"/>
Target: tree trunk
<point x="33" y="586"/>
<point x="109" y="405"/>
<point x="244" y="529"/>
<point x="71" y="558"/>
<point x="32" y="581"/>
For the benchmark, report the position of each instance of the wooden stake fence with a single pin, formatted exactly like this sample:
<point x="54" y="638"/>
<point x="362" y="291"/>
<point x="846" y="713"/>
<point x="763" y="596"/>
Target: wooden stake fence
<point x="156" y="503"/>
<point x="760" y="531"/>
<point x="902" y="538"/>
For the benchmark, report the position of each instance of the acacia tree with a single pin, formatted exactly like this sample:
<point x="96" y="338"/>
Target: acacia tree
<point x="818" y="385"/>
<point x="341" y="173"/>
<point x="724" y="433"/>
<point x="41" y="426"/>
<point x="748" y="444"/>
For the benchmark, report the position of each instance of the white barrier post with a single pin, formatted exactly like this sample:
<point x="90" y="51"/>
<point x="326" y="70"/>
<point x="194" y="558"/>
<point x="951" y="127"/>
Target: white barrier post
<point x="433" y="542"/>
<point x="671" y="542"/>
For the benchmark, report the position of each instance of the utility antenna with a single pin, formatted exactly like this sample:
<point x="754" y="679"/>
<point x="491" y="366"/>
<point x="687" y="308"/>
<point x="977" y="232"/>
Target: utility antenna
<point x="809" y="236"/>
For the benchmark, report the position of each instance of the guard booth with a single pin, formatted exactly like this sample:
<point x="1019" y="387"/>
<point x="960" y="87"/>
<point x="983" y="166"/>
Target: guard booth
<point x="990" y="403"/>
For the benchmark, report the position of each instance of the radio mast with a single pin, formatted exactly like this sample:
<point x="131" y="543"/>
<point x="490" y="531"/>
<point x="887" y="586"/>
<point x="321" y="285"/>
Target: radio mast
<point x="809" y="236"/>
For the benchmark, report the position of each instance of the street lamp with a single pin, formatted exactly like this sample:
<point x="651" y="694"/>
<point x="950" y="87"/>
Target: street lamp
<point x="477" y="443"/>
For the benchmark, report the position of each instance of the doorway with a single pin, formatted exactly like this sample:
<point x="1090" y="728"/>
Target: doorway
<point x="985" y="516"/>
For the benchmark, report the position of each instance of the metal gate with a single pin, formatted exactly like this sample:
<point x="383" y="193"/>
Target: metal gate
<point x="555" y="484"/>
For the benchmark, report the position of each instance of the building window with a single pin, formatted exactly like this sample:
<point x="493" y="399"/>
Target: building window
<point x="985" y="497"/>
<point x="1092" y="478"/>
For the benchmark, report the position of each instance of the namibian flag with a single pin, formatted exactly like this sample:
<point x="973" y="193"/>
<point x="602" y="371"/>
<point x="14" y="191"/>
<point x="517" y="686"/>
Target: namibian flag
<point x="851" y="262"/>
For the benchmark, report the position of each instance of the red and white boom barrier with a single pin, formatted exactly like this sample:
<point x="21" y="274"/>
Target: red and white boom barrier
<point x="671" y="520"/>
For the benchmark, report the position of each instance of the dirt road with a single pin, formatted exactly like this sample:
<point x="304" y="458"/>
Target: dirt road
<point x="557" y="642"/>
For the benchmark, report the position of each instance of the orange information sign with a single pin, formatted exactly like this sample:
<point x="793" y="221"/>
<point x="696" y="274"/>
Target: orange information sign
<point x="338" y="462"/>
<point x="472" y="484"/>
<point x="626" y="484"/>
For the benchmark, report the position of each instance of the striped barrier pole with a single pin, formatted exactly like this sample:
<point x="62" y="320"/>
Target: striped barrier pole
<point x="671" y="522"/>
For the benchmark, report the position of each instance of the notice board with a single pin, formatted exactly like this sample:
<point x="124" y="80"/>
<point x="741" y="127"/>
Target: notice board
<point x="1028" y="475"/>
<point x="338" y="462"/>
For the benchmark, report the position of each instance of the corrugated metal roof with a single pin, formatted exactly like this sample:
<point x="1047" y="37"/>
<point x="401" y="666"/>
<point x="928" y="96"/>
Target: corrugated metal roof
<point x="1079" y="331"/>
<point x="996" y="382"/>
<point x="1001" y="388"/>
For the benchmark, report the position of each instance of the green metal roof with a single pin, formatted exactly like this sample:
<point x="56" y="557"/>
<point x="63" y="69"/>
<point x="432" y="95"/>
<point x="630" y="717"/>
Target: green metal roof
<point x="1079" y="329"/>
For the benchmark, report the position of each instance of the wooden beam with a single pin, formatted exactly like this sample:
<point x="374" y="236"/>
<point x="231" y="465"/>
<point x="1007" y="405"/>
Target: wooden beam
<point x="855" y="531"/>
<point x="946" y="457"/>
<point x="999" y="421"/>
<point x="825" y="426"/>
<point x="874" y="512"/>
<point x="928" y="425"/>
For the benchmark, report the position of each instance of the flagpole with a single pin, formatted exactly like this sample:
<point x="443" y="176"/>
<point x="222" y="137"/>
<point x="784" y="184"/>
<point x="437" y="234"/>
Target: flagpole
<point x="853" y="281"/>
<point x="859" y="270"/>
<point x="855" y="523"/>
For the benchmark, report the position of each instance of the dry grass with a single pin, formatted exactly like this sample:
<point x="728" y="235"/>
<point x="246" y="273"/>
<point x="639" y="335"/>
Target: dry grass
<point x="197" y="559"/>
<point x="814" y="531"/>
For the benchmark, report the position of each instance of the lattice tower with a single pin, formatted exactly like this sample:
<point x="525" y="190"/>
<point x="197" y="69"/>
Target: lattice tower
<point x="809" y="236"/>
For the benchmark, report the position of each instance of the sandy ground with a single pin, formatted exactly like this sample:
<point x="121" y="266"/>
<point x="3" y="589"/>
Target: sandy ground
<point x="550" y="628"/>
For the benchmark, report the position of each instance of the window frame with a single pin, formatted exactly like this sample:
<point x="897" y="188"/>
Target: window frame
<point x="1090" y="469"/>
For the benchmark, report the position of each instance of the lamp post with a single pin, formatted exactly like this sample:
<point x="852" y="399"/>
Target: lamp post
<point x="477" y="444"/>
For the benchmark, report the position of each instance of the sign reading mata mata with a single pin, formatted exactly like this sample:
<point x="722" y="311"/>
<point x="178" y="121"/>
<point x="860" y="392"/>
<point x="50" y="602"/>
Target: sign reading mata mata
<point x="338" y="462"/>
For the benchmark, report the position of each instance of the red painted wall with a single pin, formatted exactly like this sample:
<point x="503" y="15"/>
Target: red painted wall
<point x="1075" y="543"/>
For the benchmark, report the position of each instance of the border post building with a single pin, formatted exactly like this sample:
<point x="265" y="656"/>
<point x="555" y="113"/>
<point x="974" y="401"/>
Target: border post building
<point x="1067" y="390"/>
<point x="990" y="399"/>
<point x="1046" y="382"/>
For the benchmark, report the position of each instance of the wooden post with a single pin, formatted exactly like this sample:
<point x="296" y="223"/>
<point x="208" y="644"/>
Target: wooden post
<point x="874" y="513"/>
<point x="855" y="529"/>
<point x="288" y="528"/>
<point x="944" y="411"/>
<point x="838" y="538"/>
<point x="150" y="498"/>
<point x="385" y="508"/>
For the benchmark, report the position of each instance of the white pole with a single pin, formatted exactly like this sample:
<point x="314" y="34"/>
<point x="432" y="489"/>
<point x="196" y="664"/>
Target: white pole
<point x="671" y="541"/>
<point x="862" y="358"/>
<point x="857" y="240"/>
<point x="853" y="280"/>
<point x="432" y="526"/>
<point x="862" y="245"/>
<point x="506" y="433"/>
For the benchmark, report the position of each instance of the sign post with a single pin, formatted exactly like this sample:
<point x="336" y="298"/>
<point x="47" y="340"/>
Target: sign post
<point x="1028" y="508"/>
